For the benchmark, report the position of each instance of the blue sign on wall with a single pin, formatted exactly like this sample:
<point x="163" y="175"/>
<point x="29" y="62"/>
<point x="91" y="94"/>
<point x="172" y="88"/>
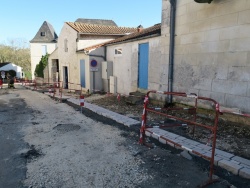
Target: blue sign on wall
<point x="93" y="63"/>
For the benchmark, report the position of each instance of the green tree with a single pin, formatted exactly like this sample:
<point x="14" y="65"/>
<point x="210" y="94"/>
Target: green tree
<point x="40" y="67"/>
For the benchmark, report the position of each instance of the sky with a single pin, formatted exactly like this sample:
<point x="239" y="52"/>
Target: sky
<point x="21" y="19"/>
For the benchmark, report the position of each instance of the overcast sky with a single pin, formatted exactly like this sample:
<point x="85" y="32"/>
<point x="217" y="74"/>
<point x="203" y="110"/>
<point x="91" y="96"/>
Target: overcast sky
<point x="21" y="19"/>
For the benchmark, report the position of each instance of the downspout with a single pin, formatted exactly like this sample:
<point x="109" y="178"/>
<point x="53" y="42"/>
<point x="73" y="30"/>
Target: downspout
<point x="105" y="53"/>
<point x="171" y="49"/>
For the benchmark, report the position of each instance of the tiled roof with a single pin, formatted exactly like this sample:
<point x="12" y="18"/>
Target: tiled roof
<point x="151" y="31"/>
<point x="100" y="29"/>
<point x="96" y="21"/>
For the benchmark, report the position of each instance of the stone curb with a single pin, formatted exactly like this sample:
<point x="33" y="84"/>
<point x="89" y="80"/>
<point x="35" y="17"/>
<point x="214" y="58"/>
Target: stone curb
<point x="237" y="165"/>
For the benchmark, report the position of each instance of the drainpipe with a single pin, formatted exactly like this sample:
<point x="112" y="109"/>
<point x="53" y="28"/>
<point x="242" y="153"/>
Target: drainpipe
<point x="105" y="53"/>
<point x="171" y="49"/>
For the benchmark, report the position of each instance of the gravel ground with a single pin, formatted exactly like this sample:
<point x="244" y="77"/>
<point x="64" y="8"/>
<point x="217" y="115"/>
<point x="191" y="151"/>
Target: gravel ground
<point x="76" y="150"/>
<point x="65" y="148"/>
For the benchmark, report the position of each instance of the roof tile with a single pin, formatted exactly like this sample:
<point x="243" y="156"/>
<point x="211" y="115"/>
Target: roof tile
<point x="100" y="29"/>
<point x="156" y="29"/>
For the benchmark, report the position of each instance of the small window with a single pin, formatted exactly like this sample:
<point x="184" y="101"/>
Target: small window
<point x="65" y="45"/>
<point x="118" y="51"/>
<point x="43" y="34"/>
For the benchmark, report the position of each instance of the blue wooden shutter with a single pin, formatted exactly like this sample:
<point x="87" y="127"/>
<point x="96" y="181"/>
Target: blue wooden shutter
<point x="143" y="66"/>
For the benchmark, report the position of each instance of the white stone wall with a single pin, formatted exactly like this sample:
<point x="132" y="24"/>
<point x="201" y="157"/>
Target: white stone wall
<point x="125" y="66"/>
<point x="84" y="43"/>
<point x="71" y="59"/>
<point x="36" y="53"/>
<point x="212" y="50"/>
<point x="68" y="58"/>
<point x="51" y="70"/>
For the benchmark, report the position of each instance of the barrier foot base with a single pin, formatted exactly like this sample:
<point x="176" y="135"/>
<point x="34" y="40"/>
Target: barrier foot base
<point x="208" y="182"/>
<point x="148" y="145"/>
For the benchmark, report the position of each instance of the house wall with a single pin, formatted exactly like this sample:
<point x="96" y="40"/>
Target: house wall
<point x="36" y="53"/>
<point x="71" y="59"/>
<point x="125" y="66"/>
<point x="95" y="77"/>
<point x="91" y="41"/>
<point x="68" y="58"/>
<point x="52" y="75"/>
<point x="212" y="50"/>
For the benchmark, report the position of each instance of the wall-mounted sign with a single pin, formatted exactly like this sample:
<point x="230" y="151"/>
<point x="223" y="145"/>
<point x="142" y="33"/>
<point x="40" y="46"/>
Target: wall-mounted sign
<point x="93" y="63"/>
<point x="94" y="69"/>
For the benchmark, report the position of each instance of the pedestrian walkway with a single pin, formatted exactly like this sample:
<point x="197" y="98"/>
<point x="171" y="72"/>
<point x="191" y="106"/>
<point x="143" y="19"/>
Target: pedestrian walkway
<point x="232" y="163"/>
<point x="107" y="113"/>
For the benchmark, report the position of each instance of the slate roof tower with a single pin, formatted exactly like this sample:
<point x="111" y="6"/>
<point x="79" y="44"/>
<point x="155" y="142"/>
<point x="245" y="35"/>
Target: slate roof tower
<point x="45" y="41"/>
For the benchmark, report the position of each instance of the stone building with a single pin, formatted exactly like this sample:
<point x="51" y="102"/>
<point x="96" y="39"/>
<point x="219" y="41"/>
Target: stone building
<point x="45" y="41"/>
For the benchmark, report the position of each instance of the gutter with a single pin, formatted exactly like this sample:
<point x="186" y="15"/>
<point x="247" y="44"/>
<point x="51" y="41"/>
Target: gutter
<point x="171" y="49"/>
<point x="101" y="56"/>
<point x="135" y="39"/>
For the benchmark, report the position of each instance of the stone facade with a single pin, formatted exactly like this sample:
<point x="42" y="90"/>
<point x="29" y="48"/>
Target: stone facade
<point x="36" y="53"/>
<point x="212" y="50"/>
<point x="43" y="42"/>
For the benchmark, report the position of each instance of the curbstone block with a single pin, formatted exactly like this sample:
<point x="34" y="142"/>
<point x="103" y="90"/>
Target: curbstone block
<point x="242" y="160"/>
<point x="171" y="144"/>
<point x="148" y="133"/>
<point x="216" y="160"/>
<point x="187" y="147"/>
<point x="223" y="154"/>
<point x="205" y="147"/>
<point x="163" y="141"/>
<point x="230" y="166"/>
<point x="245" y="173"/>
<point x="245" y="166"/>
<point x="156" y="136"/>
<point x="181" y="138"/>
<point x="191" y="142"/>
<point x="199" y="150"/>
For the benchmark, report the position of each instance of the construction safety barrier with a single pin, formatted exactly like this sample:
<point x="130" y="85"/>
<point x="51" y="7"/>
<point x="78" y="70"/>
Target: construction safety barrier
<point x="182" y="121"/>
<point x="26" y="82"/>
<point x="1" y="83"/>
<point x="53" y="88"/>
<point x="81" y="102"/>
<point x="72" y="87"/>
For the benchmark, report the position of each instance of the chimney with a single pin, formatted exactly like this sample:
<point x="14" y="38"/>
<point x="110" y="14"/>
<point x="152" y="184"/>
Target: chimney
<point x="139" y="28"/>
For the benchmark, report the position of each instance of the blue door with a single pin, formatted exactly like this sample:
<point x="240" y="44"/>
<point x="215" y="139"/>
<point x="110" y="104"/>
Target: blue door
<point x="82" y="73"/>
<point x="143" y="66"/>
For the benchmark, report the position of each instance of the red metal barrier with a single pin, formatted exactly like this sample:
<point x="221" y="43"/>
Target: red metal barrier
<point x="165" y="112"/>
<point x="81" y="102"/>
<point x="1" y="83"/>
<point x="74" y="87"/>
<point x="35" y="88"/>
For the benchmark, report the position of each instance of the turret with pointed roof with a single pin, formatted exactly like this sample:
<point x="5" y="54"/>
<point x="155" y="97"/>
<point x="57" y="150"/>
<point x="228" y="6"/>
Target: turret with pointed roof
<point x="46" y="34"/>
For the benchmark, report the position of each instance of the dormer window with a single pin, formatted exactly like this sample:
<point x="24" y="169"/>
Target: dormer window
<point x="43" y="34"/>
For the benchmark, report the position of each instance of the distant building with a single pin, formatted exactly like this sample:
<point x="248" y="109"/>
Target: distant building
<point x="45" y="41"/>
<point x="8" y="67"/>
<point x="68" y="65"/>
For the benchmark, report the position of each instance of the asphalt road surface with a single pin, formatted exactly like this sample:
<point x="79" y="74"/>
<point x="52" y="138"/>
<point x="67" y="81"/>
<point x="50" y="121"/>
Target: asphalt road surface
<point x="49" y="144"/>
